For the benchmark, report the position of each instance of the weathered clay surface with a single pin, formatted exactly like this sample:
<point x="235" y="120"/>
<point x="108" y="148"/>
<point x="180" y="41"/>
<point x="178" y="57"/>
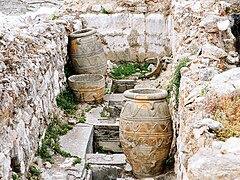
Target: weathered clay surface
<point x="145" y="132"/>
<point x="33" y="50"/>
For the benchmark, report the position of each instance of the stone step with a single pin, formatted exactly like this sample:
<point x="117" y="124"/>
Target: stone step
<point x="106" y="159"/>
<point x="114" y="99"/>
<point x="78" y="141"/>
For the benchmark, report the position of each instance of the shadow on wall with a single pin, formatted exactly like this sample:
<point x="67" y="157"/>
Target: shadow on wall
<point x="235" y="28"/>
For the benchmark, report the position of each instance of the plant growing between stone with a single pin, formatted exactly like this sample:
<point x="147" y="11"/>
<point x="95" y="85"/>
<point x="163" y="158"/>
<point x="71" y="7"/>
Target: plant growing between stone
<point x="104" y="11"/>
<point x="175" y="82"/>
<point x="77" y="160"/>
<point x="82" y="120"/>
<point x="33" y="173"/>
<point x="54" y="16"/>
<point x="15" y="177"/>
<point x="50" y="143"/>
<point x="90" y="108"/>
<point x="228" y="113"/>
<point x="125" y="70"/>
<point x="105" y="112"/>
<point x="66" y="100"/>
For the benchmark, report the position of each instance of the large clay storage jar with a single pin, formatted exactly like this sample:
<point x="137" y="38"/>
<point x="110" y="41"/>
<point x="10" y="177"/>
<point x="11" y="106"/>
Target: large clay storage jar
<point x="87" y="87"/>
<point x="145" y="130"/>
<point x="86" y="52"/>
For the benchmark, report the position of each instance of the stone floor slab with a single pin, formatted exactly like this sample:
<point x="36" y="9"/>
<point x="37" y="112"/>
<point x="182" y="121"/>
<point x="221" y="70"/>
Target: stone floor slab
<point x="78" y="141"/>
<point x="106" y="159"/>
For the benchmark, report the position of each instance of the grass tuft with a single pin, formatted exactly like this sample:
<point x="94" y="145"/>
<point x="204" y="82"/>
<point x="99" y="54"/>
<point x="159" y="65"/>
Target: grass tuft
<point x="66" y="100"/>
<point x="77" y="160"/>
<point x="125" y="70"/>
<point x="33" y="173"/>
<point x="175" y="82"/>
<point x="50" y="143"/>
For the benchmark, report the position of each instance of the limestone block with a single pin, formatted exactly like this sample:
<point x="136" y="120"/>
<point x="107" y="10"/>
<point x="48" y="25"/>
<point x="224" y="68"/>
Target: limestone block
<point x="232" y="145"/>
<point x="155" y="24"/>
<point x="157" y="38"/>
<point x="4" y="166"/>
<point x="210" y="50"/>
<point x="77" y="140"/>
<point x="226" y="83"/>
<point x="96" y="8"/>
<point x="210" y="23"/>
<point x="142" y="9"/>
<point x="214" y="164"/>
<point x="232" y="60"/>
<point x="56" y="83"/>
<point x="117" y="43"/>
<point x="107" y="159"/>
<point x="84" y="7"/>
<point x="211" y="124"/>
<point x="137" y="22"/>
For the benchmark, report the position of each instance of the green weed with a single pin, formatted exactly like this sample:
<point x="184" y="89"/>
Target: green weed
<point x="126" y="70"/>
<point x="50" y="143"/>
<point x="33" y="172"/>
<point x="175" y="82"/>
<point x="82" y="120"/>
<point x="65" y="128"/>
<point x="76" y="161"/>
<point x="203" y="92"/>
<point x="104" y="11"/>
<point x="103" y="151"/>
<point x="66" y="100"/>
<point x="14" y="177"/>
<point x="105" y="112"/>
<point x="54" y="16"/>
<point x="90" y="108"/>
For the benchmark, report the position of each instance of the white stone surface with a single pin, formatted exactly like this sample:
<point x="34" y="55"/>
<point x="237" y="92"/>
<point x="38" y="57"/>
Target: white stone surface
<point x="106" y="159"/>
<point x="211" y="124"/>
<point x="131" y="36"/>
<point x="213" y="51"/>
<point x="232" y="145"/>
<point x="227" y="82"/>
<point x="214" y="164"/>
<point x="77" y="140"/>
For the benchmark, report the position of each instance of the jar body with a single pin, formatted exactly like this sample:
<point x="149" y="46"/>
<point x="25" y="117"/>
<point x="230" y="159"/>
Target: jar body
<point x="86" y="52"/>
<point x="146" y="134"/>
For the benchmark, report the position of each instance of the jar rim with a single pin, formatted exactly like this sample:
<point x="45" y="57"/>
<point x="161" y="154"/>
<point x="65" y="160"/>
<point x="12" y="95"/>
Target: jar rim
<point x="83" y="33"/>
<point x="145" y="94"/>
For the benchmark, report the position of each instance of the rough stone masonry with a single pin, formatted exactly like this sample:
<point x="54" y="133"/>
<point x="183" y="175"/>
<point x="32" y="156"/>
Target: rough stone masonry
<point x="33" y="51"/>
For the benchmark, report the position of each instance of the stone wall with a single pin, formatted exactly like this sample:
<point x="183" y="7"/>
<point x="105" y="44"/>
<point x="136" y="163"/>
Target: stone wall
<point x="132" y="37"/>
<point x="122" y="6"/>
<point x="202" y="33"/>
<point x="33" y="52"/>
<point x="18" y="7"/>
<point x="130" y="30"/>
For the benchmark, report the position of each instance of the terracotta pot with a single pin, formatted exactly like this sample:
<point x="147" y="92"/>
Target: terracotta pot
<point x="146" y="130"/>
<point x="87" y="87"/>
<point x="86" y="52"/>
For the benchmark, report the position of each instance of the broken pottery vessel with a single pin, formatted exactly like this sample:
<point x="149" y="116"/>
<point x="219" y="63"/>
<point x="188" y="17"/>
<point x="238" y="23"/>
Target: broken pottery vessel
<point x="146" y="130"/>
<point x="88" y="87"/>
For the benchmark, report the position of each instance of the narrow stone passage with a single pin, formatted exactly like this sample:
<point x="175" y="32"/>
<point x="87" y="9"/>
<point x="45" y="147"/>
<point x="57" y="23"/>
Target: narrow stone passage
<point x="189" y="48"/>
